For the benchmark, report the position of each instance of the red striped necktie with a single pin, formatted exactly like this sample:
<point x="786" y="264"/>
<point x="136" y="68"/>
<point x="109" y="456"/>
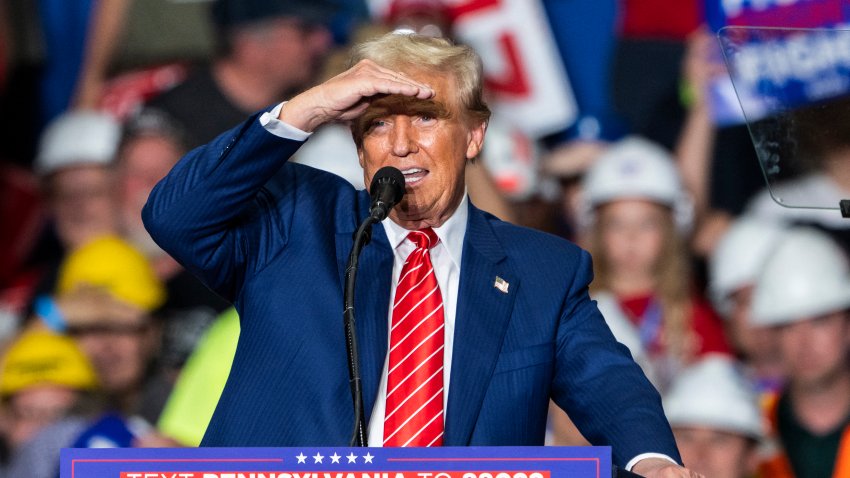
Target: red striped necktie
<point x="414" y="408"/>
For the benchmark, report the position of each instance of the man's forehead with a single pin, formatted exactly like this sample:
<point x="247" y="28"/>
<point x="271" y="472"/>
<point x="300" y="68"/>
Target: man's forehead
<point x="399" y="104"/>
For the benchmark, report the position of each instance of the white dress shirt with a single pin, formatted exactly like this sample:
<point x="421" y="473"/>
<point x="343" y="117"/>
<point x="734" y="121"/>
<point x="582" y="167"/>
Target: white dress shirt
<point x="446" y="258"/>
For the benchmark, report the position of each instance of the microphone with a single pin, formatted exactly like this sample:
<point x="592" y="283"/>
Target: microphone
<point x="387" y="189"/>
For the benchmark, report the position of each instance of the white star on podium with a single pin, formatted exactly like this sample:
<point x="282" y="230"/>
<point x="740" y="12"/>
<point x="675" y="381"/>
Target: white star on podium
<point x="335" y="458"/>
<point x="318" y="458"/>
<point x="352" y="458"/>
<point x="367" y="458"/>
<point x="301" y="458"/>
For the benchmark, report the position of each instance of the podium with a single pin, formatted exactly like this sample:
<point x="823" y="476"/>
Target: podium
<point x="338" y="462"/>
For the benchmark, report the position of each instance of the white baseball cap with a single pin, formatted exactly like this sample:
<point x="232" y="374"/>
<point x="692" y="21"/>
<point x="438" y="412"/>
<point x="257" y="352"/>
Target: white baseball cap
<point x="76" y="138"/>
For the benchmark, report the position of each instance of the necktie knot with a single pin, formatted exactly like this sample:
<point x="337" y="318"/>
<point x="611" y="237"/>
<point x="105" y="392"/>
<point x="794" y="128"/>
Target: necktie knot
<point x="424" y="238"/>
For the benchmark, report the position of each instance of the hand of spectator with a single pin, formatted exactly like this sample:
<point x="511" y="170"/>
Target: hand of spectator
<point x="702" y="63"/>
<point x="661" y="468"/>
<point x="347" y="95"/>
<point x="155" y="440"/>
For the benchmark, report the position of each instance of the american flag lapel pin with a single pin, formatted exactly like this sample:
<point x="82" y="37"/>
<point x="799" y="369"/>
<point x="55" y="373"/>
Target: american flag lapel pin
<point x="501" y="284"/>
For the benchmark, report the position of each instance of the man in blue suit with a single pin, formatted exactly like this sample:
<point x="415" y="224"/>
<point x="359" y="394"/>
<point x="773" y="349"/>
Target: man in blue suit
<point x="273" y="237"/>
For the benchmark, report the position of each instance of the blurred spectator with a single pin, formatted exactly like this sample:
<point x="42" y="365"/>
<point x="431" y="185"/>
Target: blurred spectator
<point x="86" y="40"/>
<point x="733" y="268"/>
<point x="104" y="300"/>
<point x="634" y="214"/>
<point x="195" y="396"/>
<point x="151" y="143"/>
<point x="105" y="296"/>
<point x="44" y="377"/>
<point x="74" y="159"/>
<point x="126" y="34"/>
<point x="74" y="165"/>
<point x="803" y="291"/>
<point x="637" y="215"/>
<point x="118" y="338"/>
<point x="716" y="419"/>
<point x="150" y="146"/>
<point x="568" y="164"/>
<point x="268" y="51"/>
<point x="716" y="171"/>
<point x="111" y="264"/>
<point x="718" y="163"/>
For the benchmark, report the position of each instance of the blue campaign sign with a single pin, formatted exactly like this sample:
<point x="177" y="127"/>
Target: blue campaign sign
<point x="311" y="462"/>
<point x="783" y="68"/>
<point x="776" y="13"/>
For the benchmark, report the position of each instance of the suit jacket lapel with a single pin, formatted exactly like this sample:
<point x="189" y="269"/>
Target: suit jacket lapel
<point x="374" y="275"/>
<point x="483" y="312"/>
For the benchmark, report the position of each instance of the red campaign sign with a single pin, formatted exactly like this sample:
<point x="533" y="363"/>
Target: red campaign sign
<point x="523" y="70"/>
<point x="457" y="10"/>
<point x="513" y="80"/>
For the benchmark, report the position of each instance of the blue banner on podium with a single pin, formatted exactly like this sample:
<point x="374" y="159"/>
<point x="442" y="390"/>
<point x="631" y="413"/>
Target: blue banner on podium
<point x="328" y="462"/>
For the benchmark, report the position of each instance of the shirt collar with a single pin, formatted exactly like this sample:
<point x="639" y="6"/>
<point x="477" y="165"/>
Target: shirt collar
<point x="451" y="233"/>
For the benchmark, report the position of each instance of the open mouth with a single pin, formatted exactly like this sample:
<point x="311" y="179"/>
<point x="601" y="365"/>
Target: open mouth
<point x="413" y="176"/>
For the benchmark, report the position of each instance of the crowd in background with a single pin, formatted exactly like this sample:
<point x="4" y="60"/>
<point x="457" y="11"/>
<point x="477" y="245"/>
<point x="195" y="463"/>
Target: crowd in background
<point x="735" y="307"/>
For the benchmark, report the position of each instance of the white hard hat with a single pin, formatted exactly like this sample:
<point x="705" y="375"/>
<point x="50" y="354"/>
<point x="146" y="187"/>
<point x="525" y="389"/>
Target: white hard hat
<point x="807" y="275"/>
<point x="77" y="137"/>
<point x="739" y="257"/>
<point x="635" y="168"/>
<point x="714" y="393"/>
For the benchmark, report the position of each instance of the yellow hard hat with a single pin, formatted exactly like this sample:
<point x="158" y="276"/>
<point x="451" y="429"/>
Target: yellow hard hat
<point x="39" y="357"/>
<point x="113" y="264"/>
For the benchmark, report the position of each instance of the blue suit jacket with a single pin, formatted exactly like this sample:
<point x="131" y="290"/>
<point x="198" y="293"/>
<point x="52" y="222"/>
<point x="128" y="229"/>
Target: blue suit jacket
<point x="274" y="238"/>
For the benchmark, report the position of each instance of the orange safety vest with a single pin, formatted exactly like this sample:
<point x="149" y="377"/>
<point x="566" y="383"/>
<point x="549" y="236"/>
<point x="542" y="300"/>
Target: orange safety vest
<point x="778" y="466"/>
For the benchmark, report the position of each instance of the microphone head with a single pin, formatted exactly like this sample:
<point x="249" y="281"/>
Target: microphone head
<point x="386" y="190"/>
<point x="392" y="178"/>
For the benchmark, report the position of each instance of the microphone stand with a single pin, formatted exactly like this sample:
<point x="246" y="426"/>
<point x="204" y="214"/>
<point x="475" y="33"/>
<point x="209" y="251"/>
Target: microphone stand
<point x="387" y="189"/>
<point x="361" y="238"/>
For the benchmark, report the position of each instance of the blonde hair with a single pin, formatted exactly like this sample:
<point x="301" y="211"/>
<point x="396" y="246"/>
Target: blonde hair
<point x="672" y="274"/>
<point x="400" y="50"/>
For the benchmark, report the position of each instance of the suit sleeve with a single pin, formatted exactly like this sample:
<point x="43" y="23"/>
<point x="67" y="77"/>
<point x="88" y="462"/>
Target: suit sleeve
<point x="600" y="387"/>
<point x="213" y="215"/>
